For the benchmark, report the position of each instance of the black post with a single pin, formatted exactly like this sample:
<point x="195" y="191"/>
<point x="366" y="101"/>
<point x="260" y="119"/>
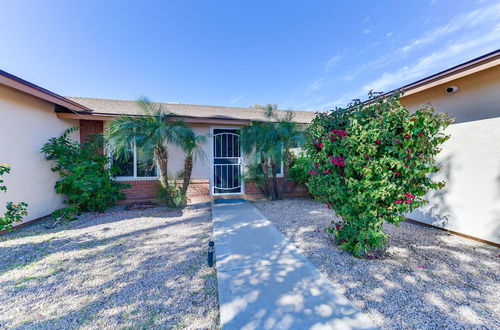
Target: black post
<point x="211" y="250"/>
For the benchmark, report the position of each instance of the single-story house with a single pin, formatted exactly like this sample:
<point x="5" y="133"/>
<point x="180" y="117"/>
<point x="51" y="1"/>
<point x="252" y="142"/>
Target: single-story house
<point x="31" y="115"/>
<point x="469" y="205"/>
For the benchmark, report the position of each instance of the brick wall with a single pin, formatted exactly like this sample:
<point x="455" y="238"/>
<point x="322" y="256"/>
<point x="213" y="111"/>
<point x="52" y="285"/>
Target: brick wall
<point x="90" y="127"/>
<point x="146" y="190"/>
<point x="199" y="191"/>
<point x="292" y="189"/>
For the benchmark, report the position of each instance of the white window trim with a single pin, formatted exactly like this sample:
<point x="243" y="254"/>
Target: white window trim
<point x="134" y="177"/>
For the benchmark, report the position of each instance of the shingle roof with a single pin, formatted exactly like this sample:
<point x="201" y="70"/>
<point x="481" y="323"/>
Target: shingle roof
<point x="117" y="107"/>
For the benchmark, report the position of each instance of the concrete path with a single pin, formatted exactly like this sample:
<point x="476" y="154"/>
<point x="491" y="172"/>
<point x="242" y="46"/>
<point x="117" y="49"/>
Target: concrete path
<point x="266" y="283"/>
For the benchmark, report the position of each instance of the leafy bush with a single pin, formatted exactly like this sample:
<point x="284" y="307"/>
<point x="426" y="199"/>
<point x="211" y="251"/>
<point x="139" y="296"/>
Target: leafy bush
<point x="299" y="169"/>
<point x="371" y="164"/>
<point x="15" y="212"/>
<point x="86" y="179"/>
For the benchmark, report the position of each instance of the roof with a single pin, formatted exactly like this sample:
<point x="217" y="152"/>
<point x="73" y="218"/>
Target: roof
<point x="108" y="107"/>
<point x="475" y="65"/>
<point x="25" y="86"/>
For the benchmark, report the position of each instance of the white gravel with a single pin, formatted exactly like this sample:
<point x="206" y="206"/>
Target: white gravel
<point x="121" y="269"/>
<point x="429" y="279"/>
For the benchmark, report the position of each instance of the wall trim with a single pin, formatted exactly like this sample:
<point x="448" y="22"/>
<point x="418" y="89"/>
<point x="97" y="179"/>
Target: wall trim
<point x="24" y="224"/>
<point x="454" y="232"/>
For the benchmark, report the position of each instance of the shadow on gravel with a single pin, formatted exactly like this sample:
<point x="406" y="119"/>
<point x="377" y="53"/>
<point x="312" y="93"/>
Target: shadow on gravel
<point x="135" y="269"/>
<point x="428" y="279"/>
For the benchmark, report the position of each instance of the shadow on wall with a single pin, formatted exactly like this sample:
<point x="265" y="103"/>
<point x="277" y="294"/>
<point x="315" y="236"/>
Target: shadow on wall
<point x="438" y="212"/>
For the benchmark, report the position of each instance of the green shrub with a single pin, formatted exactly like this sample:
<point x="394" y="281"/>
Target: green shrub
<point x="15" y="212"/>
<point x="299" y="168"/>
<point x="86" y="178"/>
<point x="370" y="164"/>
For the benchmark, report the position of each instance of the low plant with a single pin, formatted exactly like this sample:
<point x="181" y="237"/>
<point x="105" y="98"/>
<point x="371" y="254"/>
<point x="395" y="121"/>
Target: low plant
<point x="86" y="178"/>
<point x="299" y="168"/>
<point x="370" y="163"/>
<point x="14" y="212"/>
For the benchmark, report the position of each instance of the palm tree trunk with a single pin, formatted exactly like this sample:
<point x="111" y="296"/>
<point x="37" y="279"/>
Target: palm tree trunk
<point x="161" y="157"/>
<point x="188" y="169"/>
<point x="286" y="167"/>
<point x="274" y="182"/>
<point x="265" y="170"/>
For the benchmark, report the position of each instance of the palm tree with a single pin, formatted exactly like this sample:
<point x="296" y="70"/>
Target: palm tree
<point x="151" y="132"/>
<point x="192" y="145"/>
<point x="272" y="140"/>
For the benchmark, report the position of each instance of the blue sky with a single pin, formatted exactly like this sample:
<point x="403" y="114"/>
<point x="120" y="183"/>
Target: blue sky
<point x="309" y="55"/>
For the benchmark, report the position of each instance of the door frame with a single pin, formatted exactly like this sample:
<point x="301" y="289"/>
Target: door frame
<point x="212" y="128"/>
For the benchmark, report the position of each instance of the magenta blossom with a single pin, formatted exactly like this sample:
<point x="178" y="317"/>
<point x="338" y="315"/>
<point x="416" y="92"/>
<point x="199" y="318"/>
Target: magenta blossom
<point x="339" y="161"/>
<point x="409" y="195"/>
<point x="398" y="201"/>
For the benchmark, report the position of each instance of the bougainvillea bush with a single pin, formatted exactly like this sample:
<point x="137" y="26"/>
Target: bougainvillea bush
<point x="371" y="163"/>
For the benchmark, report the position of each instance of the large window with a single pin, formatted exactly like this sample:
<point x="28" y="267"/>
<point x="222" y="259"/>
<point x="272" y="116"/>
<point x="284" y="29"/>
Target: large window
<point x="259" y="160"/>
<point x="136" y="164"/>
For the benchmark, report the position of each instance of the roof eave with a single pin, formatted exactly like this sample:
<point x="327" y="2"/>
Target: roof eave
<point x="22" y="85"/>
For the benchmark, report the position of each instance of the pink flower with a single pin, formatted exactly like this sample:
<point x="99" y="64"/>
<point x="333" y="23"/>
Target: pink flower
<point x="339" y="161"/>
<point x="326" y="171"/>
<point x="422" y="267"/>
<point x="407" y="135"/>
<point x="320" y="145"/>
<point x="315" y="164"/>
<point x="413" y="119"/>
<point x="398" y="201"/>
<point x="398" y="173"/>
<point x="377" y="141"/>
<point x="313" y="172"/>
<point x="342" y="133"/>
<point x="420" y="134"/>
<point x="409" y="195"/>
<point x="408" y="201"/>
<point x="398" y="141"/>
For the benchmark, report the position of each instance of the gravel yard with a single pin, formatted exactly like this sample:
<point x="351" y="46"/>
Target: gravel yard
<point x="122" y="269"/>
<point x="429" y="279"/>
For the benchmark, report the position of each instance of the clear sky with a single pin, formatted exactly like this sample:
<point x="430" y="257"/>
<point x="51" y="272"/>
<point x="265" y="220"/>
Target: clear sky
<point x="307" y="55"/>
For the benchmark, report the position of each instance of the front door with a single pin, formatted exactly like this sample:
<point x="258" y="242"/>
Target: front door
<point x="227" y="162"/>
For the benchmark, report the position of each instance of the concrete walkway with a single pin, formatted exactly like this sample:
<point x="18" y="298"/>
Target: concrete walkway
<point x="266" y="283"/>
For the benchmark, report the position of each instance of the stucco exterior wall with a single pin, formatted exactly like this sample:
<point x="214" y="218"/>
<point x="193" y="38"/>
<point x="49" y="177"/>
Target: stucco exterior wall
<point x="470" y="202"/>
<point x="26" y="123"/>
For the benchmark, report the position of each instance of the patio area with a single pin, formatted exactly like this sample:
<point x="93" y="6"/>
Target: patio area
<point x="121" y="269"/>
<point x="428" y="278"/>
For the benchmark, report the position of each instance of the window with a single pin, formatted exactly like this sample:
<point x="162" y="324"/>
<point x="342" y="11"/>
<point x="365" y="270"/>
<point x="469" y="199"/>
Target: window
<point x="136" y="164"/>
<point x="279" y="169"/>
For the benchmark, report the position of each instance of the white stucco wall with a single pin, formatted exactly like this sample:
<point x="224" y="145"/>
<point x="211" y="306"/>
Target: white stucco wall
<point x="26" y="123"/>
<point x="470" y="202"/>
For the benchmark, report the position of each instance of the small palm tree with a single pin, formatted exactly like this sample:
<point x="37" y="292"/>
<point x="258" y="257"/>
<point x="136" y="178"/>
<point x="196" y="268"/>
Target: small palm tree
<point x="192" y="145"/>
<point x="272" y="140"/>
<point x="151" y="132"/>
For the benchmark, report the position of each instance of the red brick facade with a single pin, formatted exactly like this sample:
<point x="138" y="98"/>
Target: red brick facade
<point x="90" y="127"/>
<point x="198" y="191"/>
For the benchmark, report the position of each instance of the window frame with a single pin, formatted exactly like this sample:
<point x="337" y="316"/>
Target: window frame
<point x="134" y="171"/>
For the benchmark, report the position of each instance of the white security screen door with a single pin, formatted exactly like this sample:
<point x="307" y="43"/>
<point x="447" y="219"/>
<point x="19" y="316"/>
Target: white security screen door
<point x="227" y="163"/>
